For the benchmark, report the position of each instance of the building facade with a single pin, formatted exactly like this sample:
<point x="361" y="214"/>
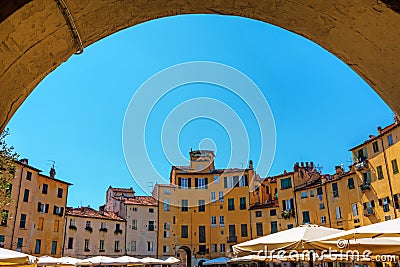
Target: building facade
<point x="91" y="232"/>
<point x="33" y="222"/>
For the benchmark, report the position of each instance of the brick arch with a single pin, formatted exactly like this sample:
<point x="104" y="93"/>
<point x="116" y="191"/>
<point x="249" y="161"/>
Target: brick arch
<point x="35" y="35"/>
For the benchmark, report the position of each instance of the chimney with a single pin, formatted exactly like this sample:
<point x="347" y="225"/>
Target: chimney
<point x="24" y="161"/>
<point x="379" y="130"/>
<point x="307" y="164"/>
<point x="250" y="164"/>
<point x="339" y="169"/>
<point x="52" y="172"/>
<point x="302" y="164"/>
<point x="371" y="136"/>
<point x="312" y="164"/>
<point x="284" y="171"/>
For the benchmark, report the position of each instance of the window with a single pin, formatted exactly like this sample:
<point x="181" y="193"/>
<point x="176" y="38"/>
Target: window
<point x="134" y="209"/>
<point x="216" y="179"/>
<point x="116" y="246"/>
<point x="37" y="246"/>
<point x="40" y="224"/>
<point x="200" y="167"/>
<point x="304" y="194"/>
<point x="288" y="204"/>
<point x="221" y="221"/>
<point x="212" y="196"/>
<point x="350" y="183"/>
<point x="201" y="183"/>
<point x="54" y="247"/>
<point x="259" y="229"/>
<point x="45" y="188"/>
<point x="306" y="216"/>
<point x="167" y="192"/>
<point x="101" y="246"/>
<point x="272" y="212"/>
<point x="354" y="208"/>
<point x="19" y="242"/>
<point x="151" y="210"/>
<point x="319" y="191"/>
<point x="221" y="196"/>
<point x="390" y="140"/>
<point x="43" y="208"/>
<point x="286" y="183"/>
<point x="60" y="192"/>
<point x="202" y="234"/>
<point x="338" y="213"/>
<point x="386" y="202"/>
<point x="289" y="226"/>
<point x="258" y="213"/>
<point x="185" y="204"/>
<point x="28" y="175"/>
<point x="379" y="172"/>
<point x="134" y="224"/>
<point x="335" y="190"/>
<point x="243" y="181"/>
<point x="70" y="243"/>
<point x="375" y="146"/>
<point x="151" y="226"/>
<point x="323" y="219"/>
<point x="4" y="218"/>
<point x="184" y="183"/>
<point x="361" y="154"/>
<point x="213" y="221"/>
<point x="395" y="167"/>
<point x="72" y="222"/>
<point x="58" y="210"/>
<point x="166" y="234"/>
<point x="311" y="193"/>
<point x="202" y="205"/>
<point x="243" y="230"/>
<point x="166" y="249"/>
<point x="321" y="206"/>
<point x="214" y="247"/>
<point x="184" y="231"/>
<point x="103" y="225"/>
<point x="167" y="226"/>
<point x="366" y="177"/>
<point x="274" y="227"/>
<point x="22" y="222"/>
<point x="232" y="232"/>
<point x="26" y="195"/>
<point x="243" y="203"/>
<point x="222" y="248"/>
<point x="133" y="245"/>
<point x="87" y="224"/>
<point x="231" y="203"/>
<point x="150" y="246"/>
<point x="87" y="245"/>
<point x="388" y="218"/>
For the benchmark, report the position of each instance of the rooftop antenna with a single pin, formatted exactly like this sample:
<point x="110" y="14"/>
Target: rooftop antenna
<point x="52" y="163"/>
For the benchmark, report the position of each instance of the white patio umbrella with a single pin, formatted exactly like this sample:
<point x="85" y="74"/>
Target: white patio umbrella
<point x="247" y="258"/>
<point x="217" y="261"/>
<point x="51" y="261"/>
<point x="294" y="238"/>
<point x="383" y="229"/>
<point x="172" y="260"/>
<point x="98" y="260"/>
<point x="127" y="260"/>
<point x="13" y="258"/>
<point x="152" y="261"/>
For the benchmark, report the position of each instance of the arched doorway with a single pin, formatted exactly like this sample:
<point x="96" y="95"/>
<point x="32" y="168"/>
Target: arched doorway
<point x="185" y="255"/>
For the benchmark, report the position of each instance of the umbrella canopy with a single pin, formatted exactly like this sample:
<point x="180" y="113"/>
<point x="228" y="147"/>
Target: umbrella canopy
<point x="149" y="260"/>
<point x="217" y="261"/>
<point x="383" y="229"/>
<point x="294" y="238"/>
<point x="50" y="261"/>
<point x="10" y="258"/>
<point x="98" y="260"/>
<point x="127" y="260"/>
<point x="172" y="260"/>
<point x="247" y="258"/>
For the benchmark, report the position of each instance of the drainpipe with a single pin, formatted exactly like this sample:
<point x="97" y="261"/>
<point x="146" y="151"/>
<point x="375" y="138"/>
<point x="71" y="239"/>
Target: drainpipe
<point x="16" y="208"/>
<point x="158" y="220"/>
<point x="389" y="180"/>
<point x="65" y="224"/>
<point x="295" y="208"/>
<point x="327" y="205"/>
<point x="126" y="228"/>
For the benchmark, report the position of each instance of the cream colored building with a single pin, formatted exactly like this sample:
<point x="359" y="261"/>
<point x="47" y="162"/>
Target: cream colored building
<point x="93" y="233"/>
<point x="140" y="213"/>
<point x="33" y="222"/>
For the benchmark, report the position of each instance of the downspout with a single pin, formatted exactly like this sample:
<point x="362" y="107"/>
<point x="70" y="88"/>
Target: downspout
<point x="389" y="180"/>
<point x="158" y="220"/>
<point x="295" y="208"/>
<point x="126" y="229"/>
<point x="327" y="205"/>
<point x="65" y="224"/>
<point x="16" y="209"/>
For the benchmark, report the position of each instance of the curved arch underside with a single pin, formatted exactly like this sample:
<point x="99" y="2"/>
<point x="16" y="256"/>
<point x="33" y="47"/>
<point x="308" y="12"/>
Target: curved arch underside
<point x="35" y="35"/>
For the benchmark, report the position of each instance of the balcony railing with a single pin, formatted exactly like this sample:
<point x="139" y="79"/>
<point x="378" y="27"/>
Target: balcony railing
<point x="365" y="187"/>
<point x="232" y="239"/>
<point x="360" y="164"/>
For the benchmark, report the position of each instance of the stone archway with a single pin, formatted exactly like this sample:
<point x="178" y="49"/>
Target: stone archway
<point x="38" y="35"/>
<point x="186" y="259"/>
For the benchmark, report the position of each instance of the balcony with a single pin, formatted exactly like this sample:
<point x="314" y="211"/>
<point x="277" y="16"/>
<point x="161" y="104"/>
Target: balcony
<point x="286" y="214"/>
<point x="369" y="212"/>
<point x="103" y="229"/>
<point x="232" y="239"/>
<point x="89" y="229"/>
<point x="365" y="187"/>
<point x="361" y="164"/>
<point x="117" y="231"/>
<point x="72" y="227"/>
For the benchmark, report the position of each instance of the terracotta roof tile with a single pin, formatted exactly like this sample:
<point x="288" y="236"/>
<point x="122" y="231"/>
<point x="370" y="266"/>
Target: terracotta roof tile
<point x="92" y="213"/>
<point x="122" y="190"/>
<point x="141" y="200"/>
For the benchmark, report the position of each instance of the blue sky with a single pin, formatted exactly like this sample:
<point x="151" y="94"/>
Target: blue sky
<point x="320" y="106"/>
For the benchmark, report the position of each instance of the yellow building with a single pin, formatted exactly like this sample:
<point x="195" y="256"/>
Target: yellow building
<point x="34" y="221"/>
<point x="203" y="211"/>
<point x="92" y="233"/>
